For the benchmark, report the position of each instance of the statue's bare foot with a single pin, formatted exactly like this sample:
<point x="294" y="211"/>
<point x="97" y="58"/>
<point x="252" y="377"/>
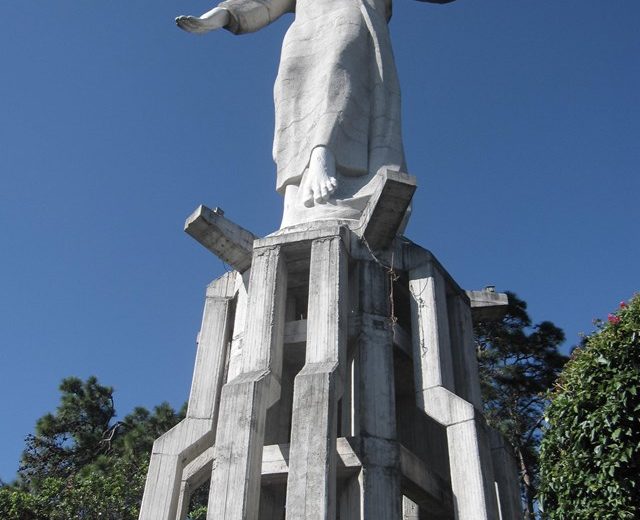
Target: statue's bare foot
<point x="209" y="21"/>
<point x="319" y="181"/>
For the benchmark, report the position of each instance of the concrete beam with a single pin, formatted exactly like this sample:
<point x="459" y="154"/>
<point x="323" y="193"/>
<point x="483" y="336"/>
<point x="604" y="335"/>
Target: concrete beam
<point x="425" y="488"/>
<point x="306" y="233"/>
<point x="275" y="461"/>
<point x="225" y="239"/>
<point x="488" y="304"/>
<point x="384" y="214"/>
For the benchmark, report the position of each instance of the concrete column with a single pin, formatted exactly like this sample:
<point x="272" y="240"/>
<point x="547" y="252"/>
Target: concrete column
<point x="239" y="326"/>
<point x="211" y="356"/>
<point x="380" y="476"/>
<point x="465" y="360"/>
<point x="235" y="480"/>
<point x="349" y="499"/>
<point x="505" y="469"/>
<point x="472" y="480"/>
<point x="432" y="359"/>
<point x="410" y="510"/>
<point x="195" y="474"/>
<point x="194" y="434"/>
<point x="435" y="371"/>
<point x="311" y="485"/>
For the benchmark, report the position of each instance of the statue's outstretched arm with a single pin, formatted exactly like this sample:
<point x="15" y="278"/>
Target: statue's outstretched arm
<point x="238" y="16"/>
<point x="210" y="21"/>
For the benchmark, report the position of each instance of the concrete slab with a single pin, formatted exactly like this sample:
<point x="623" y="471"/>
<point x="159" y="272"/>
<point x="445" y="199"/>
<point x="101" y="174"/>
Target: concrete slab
<point x="488" y="304"/>
<point x="383" y="216"/>
<point x="227" y="240"/>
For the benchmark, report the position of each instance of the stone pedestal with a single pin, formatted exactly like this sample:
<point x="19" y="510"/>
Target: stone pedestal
<point x="335" y="379"/>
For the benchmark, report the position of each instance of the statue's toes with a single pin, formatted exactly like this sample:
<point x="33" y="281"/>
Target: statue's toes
<point x="328" y="187"/>
<point x="322" y="193"/>
<point x="307" y="197"/>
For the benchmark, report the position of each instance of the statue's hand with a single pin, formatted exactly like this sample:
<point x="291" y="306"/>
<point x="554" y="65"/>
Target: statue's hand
<point x="210" y="21"/>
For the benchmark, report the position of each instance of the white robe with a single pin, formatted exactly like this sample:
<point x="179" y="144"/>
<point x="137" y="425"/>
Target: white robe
<point x="337" y="84"/>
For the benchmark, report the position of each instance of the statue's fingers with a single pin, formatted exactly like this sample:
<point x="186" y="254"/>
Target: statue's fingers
<point x="184" y="23"/>
<point x="184" y="20"/>
<point x="191" y="24"/>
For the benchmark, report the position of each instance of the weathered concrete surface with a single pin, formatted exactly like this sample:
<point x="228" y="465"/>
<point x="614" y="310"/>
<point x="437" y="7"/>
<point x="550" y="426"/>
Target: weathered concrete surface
<point x="275" y="461"/>
<point x="225" y="239"/>
<point x="432" y="354"/>
<point x="488" y="304"/>
<point x="333" y="446"/>
<point x="380" y="478"/>
<point x="424" y="487"/>
<point x="505" y="468"/>
<point x="235" y="481"/>
<point x="311" y="488"/>
<point x="447" y="385"/>
<point x="472" y="479"/>
<point x="195" y="474"/>
<point x="234" y="367"/>
<point x="193" y="435"/>
<point x="465" y="366"/>
<point x="386" y="210"/>
<point x="410" y="510"/>
<point x="212" y="352"/>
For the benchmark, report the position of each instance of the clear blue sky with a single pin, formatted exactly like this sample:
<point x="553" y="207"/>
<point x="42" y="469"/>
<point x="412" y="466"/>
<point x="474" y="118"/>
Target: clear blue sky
<point x="521" y="122"/>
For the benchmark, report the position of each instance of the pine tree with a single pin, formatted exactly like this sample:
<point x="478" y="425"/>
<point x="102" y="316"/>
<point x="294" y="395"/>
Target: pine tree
<point x="83" y="463"/>
<point x="519" y="363"/>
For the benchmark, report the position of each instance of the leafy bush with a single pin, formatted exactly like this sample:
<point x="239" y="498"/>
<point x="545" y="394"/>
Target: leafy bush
<point x="590" y="457"/>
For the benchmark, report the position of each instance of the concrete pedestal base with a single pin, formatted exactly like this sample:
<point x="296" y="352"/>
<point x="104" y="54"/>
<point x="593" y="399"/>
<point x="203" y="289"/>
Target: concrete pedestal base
<point x="334" y="380"/>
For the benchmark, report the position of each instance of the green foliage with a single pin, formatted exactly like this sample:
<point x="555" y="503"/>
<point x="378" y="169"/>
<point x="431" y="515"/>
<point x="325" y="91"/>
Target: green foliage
<point x="199" y="513"/>
<point x="112" y="495"/>
<point x="16" y="504"/>
<point x="590" y="454"/>
<point x="518" y="364"/>
<point x="66" y="441"/>
<point x="81" y="463"/>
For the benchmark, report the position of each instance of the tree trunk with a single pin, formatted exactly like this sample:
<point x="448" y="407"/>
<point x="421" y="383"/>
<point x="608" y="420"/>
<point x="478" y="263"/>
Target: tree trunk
<point x="527" y="486"/>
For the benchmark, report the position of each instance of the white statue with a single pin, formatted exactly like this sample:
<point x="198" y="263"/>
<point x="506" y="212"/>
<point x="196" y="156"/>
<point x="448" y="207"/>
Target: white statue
<point x="337" y="99"/>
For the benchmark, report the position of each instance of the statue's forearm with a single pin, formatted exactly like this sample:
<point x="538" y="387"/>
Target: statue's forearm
<point x="252" y="15"/>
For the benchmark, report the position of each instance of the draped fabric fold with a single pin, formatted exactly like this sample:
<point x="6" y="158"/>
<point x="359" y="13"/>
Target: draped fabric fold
<point x="337" y="84"/>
